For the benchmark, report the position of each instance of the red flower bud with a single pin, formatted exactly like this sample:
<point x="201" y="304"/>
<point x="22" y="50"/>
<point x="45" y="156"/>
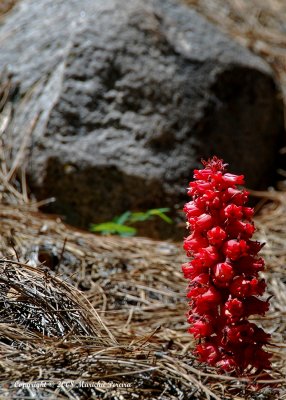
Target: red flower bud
<point x="240" y="334"/>
<point x="233" y="179"/>
<point x="202" y="279"/>
<point x="242" y="287"/>
<point x="235" y="249"/>
<point x="234" y="310"/>
<point x="192" y="210"/>
<point x="243" y="230"/>
<point x="249" y="265"/>
<point x="202" y="223"/>
<point x="208" y="353"/>
<point x="201" y="329"/>
<point x="253" y="305"/>
<point x="195" y="242"/>
<point x="216" y="236"/>
<point x="248" y="213"/>
<point x="227" y="364"/>
<point x="208" y="256"/>
<point x="237" y="197"/>
<point x="223" y="274"/>
<point x="232" y="211"/>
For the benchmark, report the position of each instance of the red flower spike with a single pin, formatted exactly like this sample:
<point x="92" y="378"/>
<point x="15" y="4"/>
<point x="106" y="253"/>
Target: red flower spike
<point x="223" y="272"/>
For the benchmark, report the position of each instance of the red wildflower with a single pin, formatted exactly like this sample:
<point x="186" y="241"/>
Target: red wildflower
<point x="208" y="256"/>
<point x="195" y="242"/>
<point x="232" y="179"/>
<point x="241" y="333"/>
<point x="201" y="223"/>
<point x="192" y="210"/>
<point x="223" y="272"/>
<point x="242" y="287"/>
<point x="253" y="305"/>
<point x="232" y="211"/>
<point x="233" y="310"/>
<point x="201" y="329"/>
<point x="243" y="230"/>
<point x="234" y="249"/>
<point x="227" y="364"/>
<point x="249" y="265"/>
<point x="216" y="236"/>
<point x="208" y="353"/>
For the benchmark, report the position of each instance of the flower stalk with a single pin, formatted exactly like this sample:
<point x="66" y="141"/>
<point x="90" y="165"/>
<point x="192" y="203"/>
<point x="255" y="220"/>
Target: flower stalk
<point x="223" y="273"/>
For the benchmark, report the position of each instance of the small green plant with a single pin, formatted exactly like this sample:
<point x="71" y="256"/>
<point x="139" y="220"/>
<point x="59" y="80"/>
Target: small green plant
<point x="122" y="225"/>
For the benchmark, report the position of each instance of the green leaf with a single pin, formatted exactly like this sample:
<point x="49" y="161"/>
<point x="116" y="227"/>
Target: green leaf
<point x="139" y="217"/>
<point x="113" y="228"/>
<point x="144" y="216"/>
<point x="122" y="218"/>
<point x="160" y="212"/>
<point x="121" y="225"/>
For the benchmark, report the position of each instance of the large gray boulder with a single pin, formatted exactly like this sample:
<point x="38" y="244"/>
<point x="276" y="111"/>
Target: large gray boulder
<point x="121" y="98"/>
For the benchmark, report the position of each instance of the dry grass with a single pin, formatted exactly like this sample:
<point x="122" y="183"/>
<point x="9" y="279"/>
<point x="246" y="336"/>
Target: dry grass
<point x="113" y="309"/>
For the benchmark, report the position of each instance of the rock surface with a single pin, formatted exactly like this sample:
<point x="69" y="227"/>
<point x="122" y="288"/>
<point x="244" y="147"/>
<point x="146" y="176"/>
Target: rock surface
<point x="119" y="99"/>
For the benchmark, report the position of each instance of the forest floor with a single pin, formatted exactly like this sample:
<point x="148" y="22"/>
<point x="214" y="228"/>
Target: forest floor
<point x="89" y="309"/>
<point x="80" y="309"/>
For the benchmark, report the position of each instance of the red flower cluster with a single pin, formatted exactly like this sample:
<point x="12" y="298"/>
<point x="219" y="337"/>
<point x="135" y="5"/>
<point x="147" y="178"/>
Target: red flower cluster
<point x="224" y="272"/>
